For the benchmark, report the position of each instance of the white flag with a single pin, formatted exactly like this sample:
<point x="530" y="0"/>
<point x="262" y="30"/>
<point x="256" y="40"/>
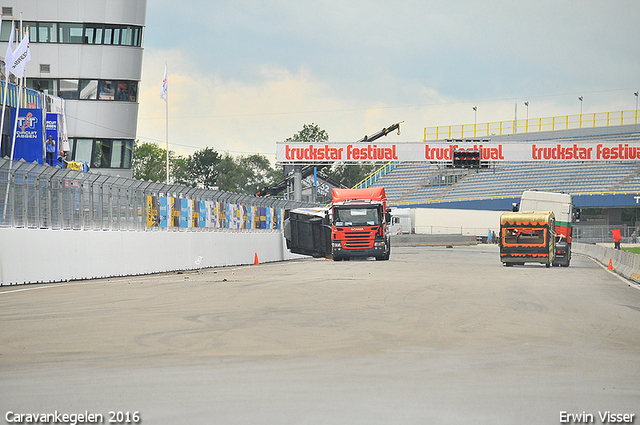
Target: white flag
<point x="163" y="88"/>
<point x="7" y="58"/>
<point x="20" y="57"/>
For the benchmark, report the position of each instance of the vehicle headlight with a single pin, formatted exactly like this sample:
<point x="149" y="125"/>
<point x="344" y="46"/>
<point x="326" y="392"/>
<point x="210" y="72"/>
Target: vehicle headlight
<point x="378" y="244"/>
<point x="336" y="244"/>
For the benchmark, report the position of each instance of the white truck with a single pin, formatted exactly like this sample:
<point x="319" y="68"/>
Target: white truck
<point x="402" y="221"/>
<point x="562" y="206"/>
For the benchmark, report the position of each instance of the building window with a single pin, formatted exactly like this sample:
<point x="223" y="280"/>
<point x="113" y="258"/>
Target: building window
<point x="88" y="89"/>
<point x="76" y="33"/>
<point x="102" y="153"/>
<point x="70" y="33"/>
<point x="93" y="33"/>
<point x="107" y="90"/>
<point x="44" y="85"/>
<point x="73" y="89"/>
<point x="69" y="89"/>
<point x="47" y="32"/>
<point x="81" y="151"/>
<point x="33" y="30"/>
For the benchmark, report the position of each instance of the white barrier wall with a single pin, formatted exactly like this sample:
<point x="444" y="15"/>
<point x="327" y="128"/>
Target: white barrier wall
<point x="452" y="221"/>
<point x="44" y="255"/>
<point x="624" y="263"/>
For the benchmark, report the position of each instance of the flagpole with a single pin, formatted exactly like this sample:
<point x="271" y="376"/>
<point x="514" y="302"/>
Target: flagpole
<point x="6" y="80"/>
<point x="17" y="69"/>
<point x="166" y="104"/>
<point x="4" y="105"/>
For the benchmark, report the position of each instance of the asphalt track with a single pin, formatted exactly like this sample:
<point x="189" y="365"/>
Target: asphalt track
<point x="435" y="335"/>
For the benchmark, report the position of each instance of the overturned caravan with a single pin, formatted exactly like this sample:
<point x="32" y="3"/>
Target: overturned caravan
<point x="527" y="237"/>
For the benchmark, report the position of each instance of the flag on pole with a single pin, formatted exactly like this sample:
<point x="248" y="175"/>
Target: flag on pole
<point x="9" y="54"/>
<point x="163" y="88"/>
<point x="20" y="57"/>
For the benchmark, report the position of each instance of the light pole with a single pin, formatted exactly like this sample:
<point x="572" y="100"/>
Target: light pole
<point x="636" y="94"/>
<point x="526" y="125"/>
<point x="580" y="99"/>
<point x="475" y="119"/>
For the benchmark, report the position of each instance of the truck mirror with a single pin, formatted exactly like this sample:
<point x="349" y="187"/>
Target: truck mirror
<point x="515" y="207"/>
<point x="576" y="215"/>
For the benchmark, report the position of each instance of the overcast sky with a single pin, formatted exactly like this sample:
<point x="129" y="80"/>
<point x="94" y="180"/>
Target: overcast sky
<point x="246" y="74"/>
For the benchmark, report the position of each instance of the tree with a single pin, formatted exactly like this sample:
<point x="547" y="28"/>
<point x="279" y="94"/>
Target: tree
<point x="350" y="175"/>
<point x="149" y="162"/>
<point x="258" y="173"/>
<point x="203" y="167"/>
<point x="310" y="133"/>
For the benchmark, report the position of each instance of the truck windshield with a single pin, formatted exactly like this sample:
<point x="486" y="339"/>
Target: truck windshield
<point x="356" y="217"/>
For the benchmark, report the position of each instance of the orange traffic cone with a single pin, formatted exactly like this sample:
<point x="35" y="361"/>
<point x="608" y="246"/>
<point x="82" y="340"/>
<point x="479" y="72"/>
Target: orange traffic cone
<point x="610" y="265"/>
<point x="255" y="260"/>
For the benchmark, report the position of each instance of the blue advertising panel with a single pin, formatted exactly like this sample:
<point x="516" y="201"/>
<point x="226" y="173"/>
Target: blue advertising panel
<point x="184" y="213"/>
<point x="29" y="138"/>
<point x="263" y="218"/>
<point x="203" y="214"/>
<point x="269" y="219"/>
<point x="51" y="128"/>
<point x="164" y="212"/>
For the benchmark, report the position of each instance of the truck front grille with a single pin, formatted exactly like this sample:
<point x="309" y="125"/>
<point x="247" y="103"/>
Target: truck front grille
<point x="358" y="240"/>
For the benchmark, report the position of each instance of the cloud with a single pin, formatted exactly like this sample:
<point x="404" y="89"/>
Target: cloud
<point x="248" y="74"/>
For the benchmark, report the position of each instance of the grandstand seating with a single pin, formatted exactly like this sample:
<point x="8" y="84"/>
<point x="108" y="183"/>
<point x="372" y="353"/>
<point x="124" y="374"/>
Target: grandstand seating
<point x="416" y="183"/>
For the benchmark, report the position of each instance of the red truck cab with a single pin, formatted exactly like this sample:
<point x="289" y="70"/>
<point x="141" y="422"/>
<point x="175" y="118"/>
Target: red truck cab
<point x="360" y="224"/>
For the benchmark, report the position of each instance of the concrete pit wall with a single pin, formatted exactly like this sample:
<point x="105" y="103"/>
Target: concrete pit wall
<point x="44" y="255"/>
<point x="624" y="263"/>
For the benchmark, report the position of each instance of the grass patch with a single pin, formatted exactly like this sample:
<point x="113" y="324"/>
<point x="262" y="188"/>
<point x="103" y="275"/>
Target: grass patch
<point x="635" y="250"/>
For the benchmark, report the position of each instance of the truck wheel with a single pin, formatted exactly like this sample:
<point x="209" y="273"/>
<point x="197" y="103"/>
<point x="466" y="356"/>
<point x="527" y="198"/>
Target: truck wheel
<point x="335" y="258"/>
<point x="383" y="257"/>
<point x="548" y="265"/>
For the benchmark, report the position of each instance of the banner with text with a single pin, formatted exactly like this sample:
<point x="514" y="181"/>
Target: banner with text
<point x="529" y="151"/>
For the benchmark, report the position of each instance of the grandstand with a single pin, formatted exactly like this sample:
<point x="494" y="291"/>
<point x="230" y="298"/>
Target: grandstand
<point x="495" y="187"/>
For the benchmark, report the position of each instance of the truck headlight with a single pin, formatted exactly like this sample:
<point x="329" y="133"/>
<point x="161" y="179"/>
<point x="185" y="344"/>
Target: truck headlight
<point x="378" y="244"/>
<point x="336" y="244"/>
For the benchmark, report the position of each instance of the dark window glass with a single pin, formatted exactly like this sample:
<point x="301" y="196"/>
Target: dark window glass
<point x="70" y="33"/>
<point x="33" y="30"/>
<point x="88" y="89"/>
<point x="47" y="32"/>
<point x="117" y="149"/>
<point x="107" y="90"/>
<point x="69" y="89"/>
<point x="133" y="91"/>
<point x="45" y="85"/>
<point x="6" y="30"/>
<point x="108" y="35"/>
<point x="122" y="92"/>
<point x="136" y="37"/>
<point x="93" y="33"/>
<point x="116" y="36"/>
<point x="83" y="149"/>
<point x="127" y="35"/>
<point x="101" y="154"/>
<point x="127" y="153"/>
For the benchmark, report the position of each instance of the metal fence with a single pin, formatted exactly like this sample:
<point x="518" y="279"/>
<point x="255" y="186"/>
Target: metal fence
<point x="43" y="197"/>
<point x="602" y="233"/>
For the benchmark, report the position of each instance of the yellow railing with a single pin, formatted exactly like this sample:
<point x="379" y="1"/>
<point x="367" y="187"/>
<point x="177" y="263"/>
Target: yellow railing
<point x="499" y="128"/>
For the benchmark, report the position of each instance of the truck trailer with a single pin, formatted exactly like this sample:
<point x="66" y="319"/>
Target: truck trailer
<point x="562" y="206"/>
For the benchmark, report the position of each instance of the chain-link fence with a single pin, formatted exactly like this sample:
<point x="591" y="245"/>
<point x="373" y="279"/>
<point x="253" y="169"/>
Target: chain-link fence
<point x="602" y="233"/>
<point x="43" y="197"/>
